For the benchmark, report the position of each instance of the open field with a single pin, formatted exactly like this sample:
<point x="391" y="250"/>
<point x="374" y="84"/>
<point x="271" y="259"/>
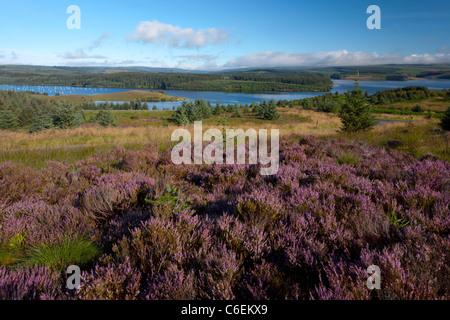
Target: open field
<point x="136" y="129"/>
<point x="134" y="95"/>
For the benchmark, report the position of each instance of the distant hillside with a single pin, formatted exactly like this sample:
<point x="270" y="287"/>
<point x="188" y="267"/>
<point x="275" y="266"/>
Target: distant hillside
<point x="295" y="79"/>
<point x="389" y="72"/>
<point x="137" y="78"/>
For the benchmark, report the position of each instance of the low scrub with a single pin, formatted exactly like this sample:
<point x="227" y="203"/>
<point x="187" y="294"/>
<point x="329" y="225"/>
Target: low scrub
<point x="168" y="231"/>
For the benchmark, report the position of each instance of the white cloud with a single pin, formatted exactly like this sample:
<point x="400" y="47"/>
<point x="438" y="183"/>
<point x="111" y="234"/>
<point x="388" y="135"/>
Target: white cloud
<point x="177" y="37"/>
<point x="331" y="58"/>
<point x="199" y="57"/>
<point x="104" y="63"/>
<point x="81" y="53"/>
<point x="96" y="43"/>
<point x="9" y="57"/>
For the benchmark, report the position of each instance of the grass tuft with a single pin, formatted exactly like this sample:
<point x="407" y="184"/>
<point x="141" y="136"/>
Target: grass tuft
<point x="69" y="252"/>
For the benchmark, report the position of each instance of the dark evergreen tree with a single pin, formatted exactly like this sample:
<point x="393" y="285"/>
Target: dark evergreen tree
<point x="105" y="118"/>
<point x="268" y="110"/>
<point x="8" y="120"/>
<point x="67" y="116"/>
<point x="354" y="113"/>
<point x="41" y="122"/>
<point x="180" y="117"/>
<point x="445" y="121"/>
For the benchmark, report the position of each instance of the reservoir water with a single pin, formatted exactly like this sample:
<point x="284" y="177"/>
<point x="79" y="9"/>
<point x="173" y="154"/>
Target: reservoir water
<point x="225" y="98"/>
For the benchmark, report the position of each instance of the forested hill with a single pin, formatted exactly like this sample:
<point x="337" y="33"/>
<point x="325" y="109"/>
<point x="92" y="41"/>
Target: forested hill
<point x="245" y="81"/>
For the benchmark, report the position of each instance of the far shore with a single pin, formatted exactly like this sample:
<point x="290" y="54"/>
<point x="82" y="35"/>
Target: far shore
<point x="133" y="96"/>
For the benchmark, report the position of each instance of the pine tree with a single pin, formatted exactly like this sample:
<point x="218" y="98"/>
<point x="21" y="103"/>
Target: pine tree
<point x="445" y="121"/>
<point x="193" y="112"/>
<point x="105" y="118"/>
<point x="42" y="122"/>
<point x="354" y="113"/>
<point x="68" y="116"/>
<point x="205" y="108"/>
<point x="218" y="110"/>
<point x="8" y="120"/>
<point x="268" y="110"/>
<point x="307" y="104"/>
<point x="180" y="117"/>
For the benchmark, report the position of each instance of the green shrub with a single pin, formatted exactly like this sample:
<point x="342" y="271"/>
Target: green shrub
<point x="328" y="106"/>
<point x="417" y="108"/>
<point x="354" y="113"/>
<point x="105" y="118"/>
<point x="237" y="113"/>
<point x="307" y="104"/>
<point x="180" y="117"/>
<point x="42" y="122"/>
<point x="445" y="120"/>
<point x="8" y="120"/>
<point x="268" y="110"/>
<point x="67" y="116"/>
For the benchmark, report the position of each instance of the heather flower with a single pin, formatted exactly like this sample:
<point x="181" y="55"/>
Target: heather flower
<point x="30" y="283"/>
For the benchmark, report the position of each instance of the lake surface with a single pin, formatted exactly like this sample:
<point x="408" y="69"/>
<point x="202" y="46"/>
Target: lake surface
<point x="372" y="87"/>
<point x="225" y="98"/>
<point x="63" y="90"/>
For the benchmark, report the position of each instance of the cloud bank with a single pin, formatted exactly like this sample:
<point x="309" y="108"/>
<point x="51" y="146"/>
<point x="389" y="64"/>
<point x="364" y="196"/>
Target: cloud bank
<point x="176" y="37"/>
<point x="331" y="58"/>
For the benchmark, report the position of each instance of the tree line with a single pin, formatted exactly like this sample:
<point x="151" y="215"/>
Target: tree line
<point x="199" y="110"/>
<point x="176" y="81"/>
<point x="21" y="110"/>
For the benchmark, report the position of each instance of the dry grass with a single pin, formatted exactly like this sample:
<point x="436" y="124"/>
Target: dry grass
<point x="94" y="135"/>
<point x="418" y="138"/>
<point x="434" y="104"/>
<point x="89" y="136"/>
<point x="71" y="145"/>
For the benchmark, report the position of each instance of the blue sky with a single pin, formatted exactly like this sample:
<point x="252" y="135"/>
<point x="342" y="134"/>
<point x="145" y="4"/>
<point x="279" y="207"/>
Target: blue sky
<point x="214" y="35"/>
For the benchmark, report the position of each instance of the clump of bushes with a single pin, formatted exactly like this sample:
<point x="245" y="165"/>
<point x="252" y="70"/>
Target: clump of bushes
<point x="267" y="110"/>
<point x="189" y="112"/>
<point x="417" y="108"/>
